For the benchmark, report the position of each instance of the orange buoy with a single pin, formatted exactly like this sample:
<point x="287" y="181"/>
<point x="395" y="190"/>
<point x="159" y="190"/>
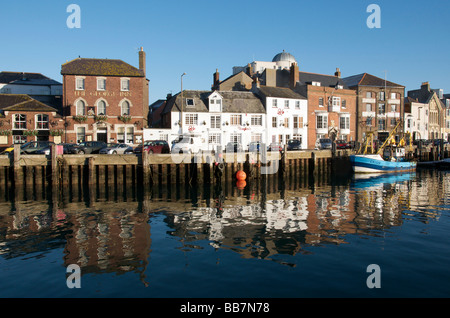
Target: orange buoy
<point x="241" y="175"/>
<point x="240" y="184"/>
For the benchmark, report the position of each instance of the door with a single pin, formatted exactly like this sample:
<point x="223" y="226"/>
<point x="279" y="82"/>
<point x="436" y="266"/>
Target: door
<point x="101" y="134"/>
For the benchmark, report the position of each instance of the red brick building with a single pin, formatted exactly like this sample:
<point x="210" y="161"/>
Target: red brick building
<point x="24" y="119"/>
<point x="105" y="100"/>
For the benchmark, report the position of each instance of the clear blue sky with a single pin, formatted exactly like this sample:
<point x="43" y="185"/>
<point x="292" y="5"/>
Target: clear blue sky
<point x="200" y="36"/>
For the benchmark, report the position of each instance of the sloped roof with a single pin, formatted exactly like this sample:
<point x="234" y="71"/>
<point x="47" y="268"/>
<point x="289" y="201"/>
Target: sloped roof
<point x="325" y="80"/>
<point x="20" y="102"/>
<point x="282" y="92"/>
<point x="232" y="102"/>
<point x="24" y="78"/>
<point x="365" y="79"/>
<point x="105" y="67"/>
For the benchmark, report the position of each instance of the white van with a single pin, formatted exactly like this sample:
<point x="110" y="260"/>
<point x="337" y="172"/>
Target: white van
<point x="187" y="144"/>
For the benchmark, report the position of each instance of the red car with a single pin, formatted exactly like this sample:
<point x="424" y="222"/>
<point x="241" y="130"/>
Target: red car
<point x="342" y="144"/>
<point x="153" y="146"/>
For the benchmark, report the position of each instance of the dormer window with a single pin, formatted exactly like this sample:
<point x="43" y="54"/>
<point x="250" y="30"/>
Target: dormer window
<point x="190" y="102"/>
<point x="316" y="84"/>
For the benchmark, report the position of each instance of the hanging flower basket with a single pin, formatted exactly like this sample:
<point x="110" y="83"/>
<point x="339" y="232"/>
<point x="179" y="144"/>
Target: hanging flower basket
<point x="100" y="118"/>
<point x="57" y="132"/>
<point x="125" y="118"/>
<point x="80" y="118"/>
<point x="30" y="133"/>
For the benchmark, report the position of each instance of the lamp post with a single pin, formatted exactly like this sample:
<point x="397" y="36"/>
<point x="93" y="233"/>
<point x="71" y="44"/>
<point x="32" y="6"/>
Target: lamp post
<point x="182" y="103"/>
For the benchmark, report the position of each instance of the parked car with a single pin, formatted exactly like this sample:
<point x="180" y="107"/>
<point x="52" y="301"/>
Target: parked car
<point x="187" y="144"/>
<point x="254" y="146"/>
<point x="114" y="148"/>
<point x="153" y="146"/>
<point x="324" y="143"/>
<point x="34" y="147"/>
<point x="437" y="142"/>
<point x="275" y="146"/>
<point x="66" y="147"/>
<point x="233" y="147"/>
<point x="294" y="144"/>
<point x="87" y="147"/>
<point x="342" y="144"/>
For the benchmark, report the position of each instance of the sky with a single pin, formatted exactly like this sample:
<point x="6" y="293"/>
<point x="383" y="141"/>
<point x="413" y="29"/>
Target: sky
<point x="197" y="37"/>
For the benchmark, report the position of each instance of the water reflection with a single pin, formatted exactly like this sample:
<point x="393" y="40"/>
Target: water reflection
<point x="109" y="230"/>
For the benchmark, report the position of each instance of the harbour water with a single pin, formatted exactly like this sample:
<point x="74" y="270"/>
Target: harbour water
<point x="271" y="239"/>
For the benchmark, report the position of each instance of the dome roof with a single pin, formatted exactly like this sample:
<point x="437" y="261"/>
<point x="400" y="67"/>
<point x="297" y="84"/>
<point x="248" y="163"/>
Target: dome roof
<point x="284" y="56"/>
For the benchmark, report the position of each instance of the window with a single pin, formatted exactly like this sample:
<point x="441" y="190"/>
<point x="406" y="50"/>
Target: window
<point x="274" y="122"/>
<point x="125" y="108"/>
<point x="125" y="84"/>
<point x="81" y="108"/>
<point x="393" y="95"/>
<point x="286" y="122"/>
<point x="344" y="103"/>
<point x="321" y="101"/>
<point x="369" y="121"/>
<point x="381" y="109"/>
<point x="344" y="122"/>
<point x="295" y="122"/>
<point x="235" y="137"/>
<point x="368" y="107"/>
<point x="322" y="122"/>
<point x="19" y="139"/>
<point x="381" y="96"/>
<point x="393" y="122"/>
<point x="393" y="108"/>
<point x="191" y="119"/>
<point x="336" y="101"/>
<point x="316" y="84"/>
<point x="101" y="84"/>
<point x="286" y="104"/>
<point x="129" y="136"/>
<point x="190" y="102"/>
<point x="256" y="120"/>
<point x="368" y="94"/>
<point x="297" y="137"/>
<point x="297" y="104"/>
<point x="256" y="137"/>
<point x="101" y="108"/>
<point x="41" y="121"/>
<point x="274" y="102"/>
<point x="214" y="138"/>
<point x="235" y="120"/>
<point x="215" y="122"/>
<point x="81" y="134"/>
<point x="300" y="122"/>
<point x="381" y="124"/>
<point x="79" y="83"/>
<point x="20" y="121"/>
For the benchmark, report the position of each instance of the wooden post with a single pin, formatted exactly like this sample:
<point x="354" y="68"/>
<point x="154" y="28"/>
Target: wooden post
<point x="18" y="173"/>
<point x="145" y="169"/>
<point x="91" y="170"/>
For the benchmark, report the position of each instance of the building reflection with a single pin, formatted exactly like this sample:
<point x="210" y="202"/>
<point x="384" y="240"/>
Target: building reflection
<point x="108" y="230"/>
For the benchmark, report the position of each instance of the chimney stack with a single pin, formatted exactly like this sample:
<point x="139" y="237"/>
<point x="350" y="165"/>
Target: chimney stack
<point x="294" y="75"/>
<point x="216" y="80"/>
<point x="255" y="84"/>
<point x="425" y="86"/>
<point x="337" y="73"/>
<point x="249" y="70"/>
<point x="142" y="60"/>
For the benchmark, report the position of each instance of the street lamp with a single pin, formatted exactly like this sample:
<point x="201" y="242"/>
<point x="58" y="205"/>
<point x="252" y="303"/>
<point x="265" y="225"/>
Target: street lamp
<point x="182" y="103"/>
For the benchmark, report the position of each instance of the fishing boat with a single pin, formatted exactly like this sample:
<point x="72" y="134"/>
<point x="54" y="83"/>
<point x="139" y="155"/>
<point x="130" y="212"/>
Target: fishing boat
<point x="390" y="157"/>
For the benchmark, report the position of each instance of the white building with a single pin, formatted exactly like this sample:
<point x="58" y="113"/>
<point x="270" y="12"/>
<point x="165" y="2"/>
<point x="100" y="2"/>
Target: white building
<point x="215" y="117"/>
<point x="286" y="114"/>
<point x="416" y="119"/>
<point x="281" y="61"/>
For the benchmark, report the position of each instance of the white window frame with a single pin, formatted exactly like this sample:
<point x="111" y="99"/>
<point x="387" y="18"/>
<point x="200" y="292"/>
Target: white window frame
<point x="20" y="120"/>
<point x="235" y="120"/>
<point x="215" y="121"/>
<point x="286" y="103"/>
<point x="297" y="104"/>
<point x="98" y="107"/>
<point x="78" y="108"/>
<point x="323" y="121"/>
<point x="122" y="113"/>
<point x="80" y="83"/>
<point x="214" y="138"/>
<point x="101" y="81"/>
<point x="256" y="120"/>
<point x="274" y="103"/>
<point x="45" y="123"/>
<point x="191" y="119"/>
<point x="344" y="122"/>
<point x="124" y="84"/>
<point x="79" y="135"/>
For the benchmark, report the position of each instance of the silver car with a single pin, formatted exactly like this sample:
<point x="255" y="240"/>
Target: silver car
<point x="113" y="148"/>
